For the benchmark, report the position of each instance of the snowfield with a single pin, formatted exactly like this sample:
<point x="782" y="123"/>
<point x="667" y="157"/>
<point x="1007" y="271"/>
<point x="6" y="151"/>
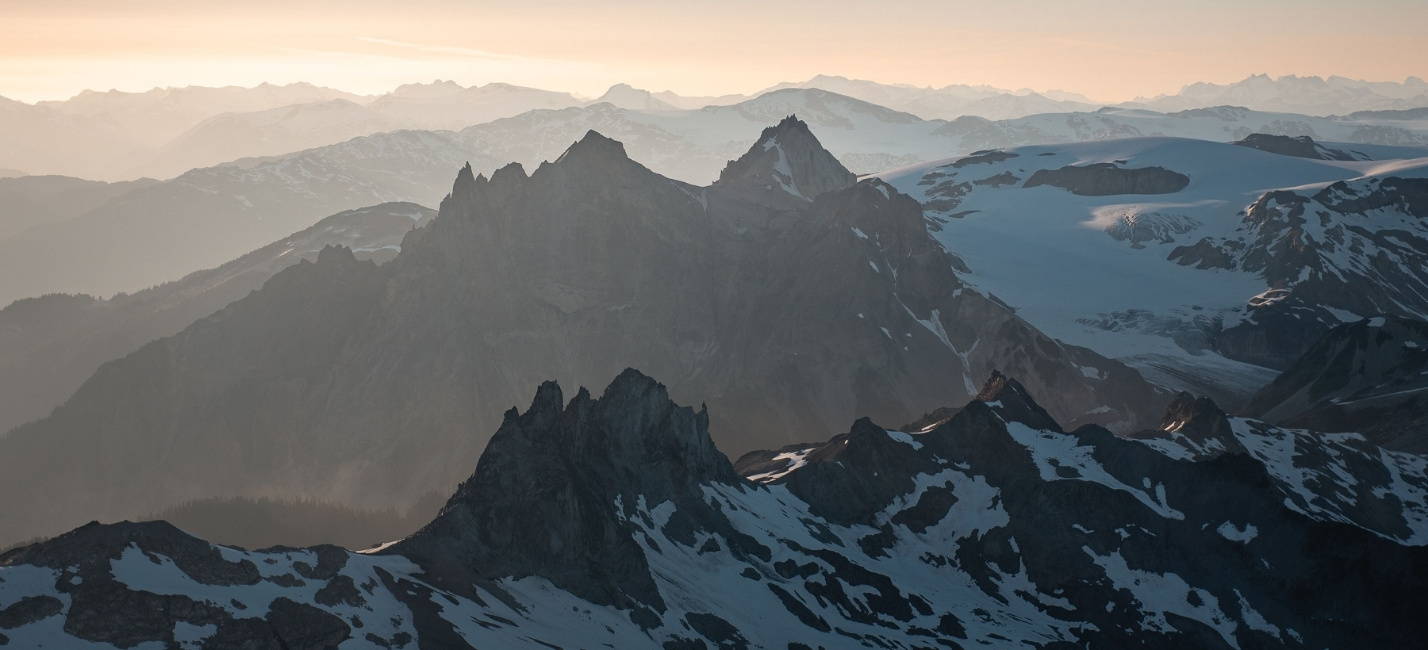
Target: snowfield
<point x="1095" y="271"/>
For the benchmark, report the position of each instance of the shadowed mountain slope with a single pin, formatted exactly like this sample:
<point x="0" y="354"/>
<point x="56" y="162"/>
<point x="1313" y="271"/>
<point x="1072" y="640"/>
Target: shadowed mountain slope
<point x="51" y="344"/>
<point x="787" y="314"/>
<point x="1369" y="376"/>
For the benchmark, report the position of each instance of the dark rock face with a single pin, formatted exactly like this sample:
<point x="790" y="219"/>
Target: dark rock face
<point x="28" y="610"/>
<point x="1366" y="377"/>
<point x="1011" y="401"/>
<point x="1301" y="146"/>
<point x="305" y="627"/>
<point x="350" y="382"/>
<point x="615" y="522"/>
<point x="983" y="157"/>
<point x="93" y="544"/>
<point x="764" y="461"/>
<point x="928" y="421"/>
<point x="557" y="484"/>
<point x="788" y="161"/>
<point x="1107" y="179"/>
<point x="1198" y="425"/>
<point x="856" y="475"/>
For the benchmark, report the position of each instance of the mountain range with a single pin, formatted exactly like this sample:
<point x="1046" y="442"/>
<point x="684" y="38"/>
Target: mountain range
<point x="1292" y="94"/>
<point x="207" y="217"/>
<point x="615" y="521"/>
<point x="162" y="232"/>
<point x="1158" y="371"/>
<point x="164" y="132"/>
<point x="590" y="264"/>
<point x="1179" y="274"/>
<point x="49" y="345"/>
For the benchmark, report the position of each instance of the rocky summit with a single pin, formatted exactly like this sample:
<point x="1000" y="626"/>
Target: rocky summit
<point x="788" y="296"/>
<point x="613" y="521"/>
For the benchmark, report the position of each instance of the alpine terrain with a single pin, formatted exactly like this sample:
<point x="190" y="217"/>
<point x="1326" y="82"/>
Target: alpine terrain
<point x="614" y="521"/>
<point x="788" y="296"/>
<point x="1210" y="267"/>
<point x="970" y="367"/>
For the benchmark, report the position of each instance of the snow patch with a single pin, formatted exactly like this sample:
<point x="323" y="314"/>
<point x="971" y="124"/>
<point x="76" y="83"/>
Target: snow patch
<point x="1233" y="533"/>
<point x="1060" y="457"/>
<point x="904" y="438"/>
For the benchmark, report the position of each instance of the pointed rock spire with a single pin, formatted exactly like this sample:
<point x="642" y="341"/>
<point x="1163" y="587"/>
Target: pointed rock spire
<point x="558" y="490"/>
<point x="594" y="148"/>
<point x="1010" y="400"/>
<point x="1198" y="425"/>
<point x="788" y="158"/>
<point x="1199" y="418"/>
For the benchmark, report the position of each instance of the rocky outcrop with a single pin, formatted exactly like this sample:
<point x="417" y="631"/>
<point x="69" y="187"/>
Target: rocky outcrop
<point x="557" y="486"/>
<point x="1301" y="146"/>
<point x="1108" y="179"/>
<point x="1197" y="426"/>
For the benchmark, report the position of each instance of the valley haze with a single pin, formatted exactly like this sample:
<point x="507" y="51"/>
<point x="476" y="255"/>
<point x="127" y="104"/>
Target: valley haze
<point x="682" y="326"/>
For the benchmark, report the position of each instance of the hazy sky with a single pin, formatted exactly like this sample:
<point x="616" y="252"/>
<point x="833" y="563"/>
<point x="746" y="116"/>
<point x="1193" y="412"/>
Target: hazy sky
<point x="1111" y="50"/>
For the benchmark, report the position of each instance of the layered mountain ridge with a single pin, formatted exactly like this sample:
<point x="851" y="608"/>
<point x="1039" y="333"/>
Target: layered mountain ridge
<point x="237" y="197"/>
<point x="51" y="344"/>
<point x="589" y="265"/>
<point x="985" y="529"/>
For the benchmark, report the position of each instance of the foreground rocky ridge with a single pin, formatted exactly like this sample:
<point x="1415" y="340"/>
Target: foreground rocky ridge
<point x="343" y="381"/>
<point x="614" y="521"/>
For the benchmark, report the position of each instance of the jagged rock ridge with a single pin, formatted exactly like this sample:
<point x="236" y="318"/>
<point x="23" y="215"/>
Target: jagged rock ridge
<point x="983" y="530"/>
<point x="360" y="384"/>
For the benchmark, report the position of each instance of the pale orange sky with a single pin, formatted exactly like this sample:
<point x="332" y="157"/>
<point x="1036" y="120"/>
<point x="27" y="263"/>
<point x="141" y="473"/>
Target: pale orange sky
<point x="1110" y="50"/>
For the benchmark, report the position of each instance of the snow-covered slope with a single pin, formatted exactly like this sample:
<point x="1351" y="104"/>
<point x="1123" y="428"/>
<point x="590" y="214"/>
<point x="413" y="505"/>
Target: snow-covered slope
<point x="1158" y="279"/>
<point x="613" y="522"/>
